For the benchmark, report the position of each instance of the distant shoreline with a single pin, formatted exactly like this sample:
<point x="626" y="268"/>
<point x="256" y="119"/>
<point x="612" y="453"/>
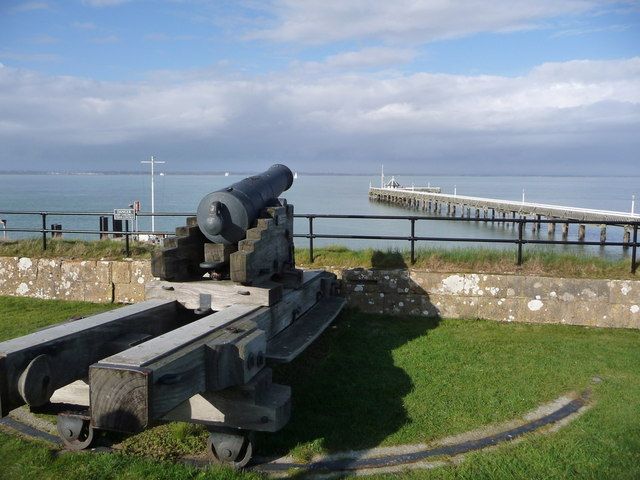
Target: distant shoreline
<point x="303" y="174"/>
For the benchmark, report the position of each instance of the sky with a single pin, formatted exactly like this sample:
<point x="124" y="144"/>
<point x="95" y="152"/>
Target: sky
<point x="334" y="86"/>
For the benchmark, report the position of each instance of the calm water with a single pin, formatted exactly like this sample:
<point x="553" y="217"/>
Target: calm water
<point x="311" y="194"/>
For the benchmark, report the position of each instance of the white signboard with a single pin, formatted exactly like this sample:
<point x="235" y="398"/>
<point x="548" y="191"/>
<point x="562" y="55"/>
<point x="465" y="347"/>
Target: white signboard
<point x="124" y="214"/>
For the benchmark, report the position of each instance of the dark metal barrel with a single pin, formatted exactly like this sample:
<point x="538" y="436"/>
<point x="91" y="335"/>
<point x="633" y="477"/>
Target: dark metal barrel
<point x="225" y="215"/>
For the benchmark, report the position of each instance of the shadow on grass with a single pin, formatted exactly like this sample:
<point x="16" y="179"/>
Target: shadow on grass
<point x="347" y="391"/>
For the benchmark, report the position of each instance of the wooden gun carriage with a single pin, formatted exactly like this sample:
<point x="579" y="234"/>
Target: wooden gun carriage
<point x="227" y="303"/>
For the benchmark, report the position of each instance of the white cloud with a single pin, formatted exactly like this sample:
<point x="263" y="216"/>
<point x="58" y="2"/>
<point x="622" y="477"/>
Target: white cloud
<point x="419" y="21"/>
<point x="84" y="25"/>
<point x="31" y="6"/>
<point x="103" y="3"/>
<point x="163" y="37"/>
<point x="365" y="58"/>
<point x="590" y="105"/>
<point x="108" y="39"/>
<point x="29" y="57"/>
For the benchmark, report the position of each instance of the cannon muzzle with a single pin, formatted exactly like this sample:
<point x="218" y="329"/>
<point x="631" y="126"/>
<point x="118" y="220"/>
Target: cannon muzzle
<point x="225" y="215"/>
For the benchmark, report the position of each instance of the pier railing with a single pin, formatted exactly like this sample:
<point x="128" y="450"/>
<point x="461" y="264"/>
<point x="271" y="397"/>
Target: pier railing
<point x="518" y="239"/>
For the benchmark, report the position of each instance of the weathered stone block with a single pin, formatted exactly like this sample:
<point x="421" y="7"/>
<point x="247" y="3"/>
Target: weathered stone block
<point x="625" y="316"/>
<point x="128" y="292"/>
<point x="565" y="290"/>
<point x="428" y="282"/>
<point x="98" y="292"/>
<point x="500" y="309"/>
<point x="624" y="291"/>
<point x="587" y="313"/>
<point x="409" y="304"/>
<point x="452" y="306"/>
<point x="367" y="302"/>
<point x="103" y="272"/>
<point x="9" y="278"/>
<point x="121" y="272"/>
<point x="47" y="284"/>
<point x="141" y="272"/>
<point x="500" y="286"/>
<point x="355" y="275"/>
<point x="538" y="310"/>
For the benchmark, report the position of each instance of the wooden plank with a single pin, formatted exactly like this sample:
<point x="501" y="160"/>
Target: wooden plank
<point x="76" y="393"/>
<point x="119" y="398"/>
<point x="68" y="349"/>
<point x="296" y="302"/>
<point x="292" y="341"/>
<point x="260" y="405"/>
<point x="223" y="293"/>
<point x="173" y="367"/>
<point x="210" y="353"/>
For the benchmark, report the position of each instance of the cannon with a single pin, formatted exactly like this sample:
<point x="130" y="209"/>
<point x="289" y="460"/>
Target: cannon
<point x="225" y="215"/>
<point x="227" y="304"/>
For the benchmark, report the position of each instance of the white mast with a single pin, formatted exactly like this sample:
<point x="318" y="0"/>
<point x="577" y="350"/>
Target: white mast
<point x="382" y="177"/>
<point x="153" y="199"/>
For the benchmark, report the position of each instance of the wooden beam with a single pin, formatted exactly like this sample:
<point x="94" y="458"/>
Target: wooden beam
<point x="224" y="293"/>
<point x="223" y="349"/>
<point x="35" y="365"/>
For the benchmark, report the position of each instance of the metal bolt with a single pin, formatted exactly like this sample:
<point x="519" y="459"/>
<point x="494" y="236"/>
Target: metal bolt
<point x="226" y="453"/>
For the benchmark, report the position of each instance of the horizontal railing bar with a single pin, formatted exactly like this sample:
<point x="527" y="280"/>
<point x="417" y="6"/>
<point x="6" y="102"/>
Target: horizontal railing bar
<point x="87" y="232"/>
<point x="95" y="214"/>
<point x="463" y="239"/>
<point x="351" y="216"/>
<point x="464" y="219"/>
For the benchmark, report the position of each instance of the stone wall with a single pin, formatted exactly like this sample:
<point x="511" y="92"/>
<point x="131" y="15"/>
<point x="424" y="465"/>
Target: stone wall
<point x="90" y="280"/>
<point x="507" y="298"/>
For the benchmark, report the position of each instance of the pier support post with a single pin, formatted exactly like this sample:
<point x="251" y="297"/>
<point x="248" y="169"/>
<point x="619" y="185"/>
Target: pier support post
<point x="551" y="229"/>
<point x="535" y="226"/>
<point x="485" y="214"/>
<point x="448" y="209"/>
<point x="493" y="214"/>
<point x="565" y="231"/>
<point x="477" y="213"/>
<point x="453" y="210"/>
<point x="581" y="232"/>
<point x="626" y="236"/>
<point x="603" y="234"/>
<point x="514" y="218"/>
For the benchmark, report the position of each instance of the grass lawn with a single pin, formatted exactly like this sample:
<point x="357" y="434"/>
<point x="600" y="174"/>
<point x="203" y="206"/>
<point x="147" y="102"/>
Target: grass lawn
<point x="485" y="260"/>
<point x="80" y="249"/>
<point x="374" y="380"/>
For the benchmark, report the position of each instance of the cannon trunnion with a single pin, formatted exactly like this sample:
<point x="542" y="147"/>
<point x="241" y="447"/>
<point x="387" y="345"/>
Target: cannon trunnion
<point x="228" y="303"/>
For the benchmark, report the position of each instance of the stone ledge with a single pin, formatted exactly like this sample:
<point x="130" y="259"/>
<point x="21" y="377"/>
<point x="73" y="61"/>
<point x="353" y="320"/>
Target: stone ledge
<point x="507" y="298"/>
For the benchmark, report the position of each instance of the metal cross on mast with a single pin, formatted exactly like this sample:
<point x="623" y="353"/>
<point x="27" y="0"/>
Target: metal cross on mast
<point x="153" y="162"/>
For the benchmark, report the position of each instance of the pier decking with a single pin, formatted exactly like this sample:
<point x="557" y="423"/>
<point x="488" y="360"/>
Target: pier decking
<point x="500" y="210"/>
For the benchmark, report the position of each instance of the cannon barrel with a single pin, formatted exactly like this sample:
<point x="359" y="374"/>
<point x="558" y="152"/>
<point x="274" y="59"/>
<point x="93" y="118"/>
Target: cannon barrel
<point x="225" y="215"/>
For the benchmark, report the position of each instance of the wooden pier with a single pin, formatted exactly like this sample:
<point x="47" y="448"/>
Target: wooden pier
<point x="496" y="210"/>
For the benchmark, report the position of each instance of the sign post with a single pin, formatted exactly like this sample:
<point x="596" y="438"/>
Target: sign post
<point x="125" y="214"/>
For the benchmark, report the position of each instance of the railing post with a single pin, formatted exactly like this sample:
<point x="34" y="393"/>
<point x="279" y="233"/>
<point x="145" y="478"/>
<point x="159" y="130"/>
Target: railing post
<point x="44" y="230"/>
<point x="126" y="237"/>
<point x="310" y="239"/>
<point x="634" y="264"/>
<point x="520" y="230"/>
<point x="413" y="242"/>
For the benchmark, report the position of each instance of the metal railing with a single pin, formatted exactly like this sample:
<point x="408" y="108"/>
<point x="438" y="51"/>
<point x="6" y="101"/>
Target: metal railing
<point x="518" y="240"/>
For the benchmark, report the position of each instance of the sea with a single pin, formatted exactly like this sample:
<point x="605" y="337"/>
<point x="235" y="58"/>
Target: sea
<point x="318" y="194"/>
